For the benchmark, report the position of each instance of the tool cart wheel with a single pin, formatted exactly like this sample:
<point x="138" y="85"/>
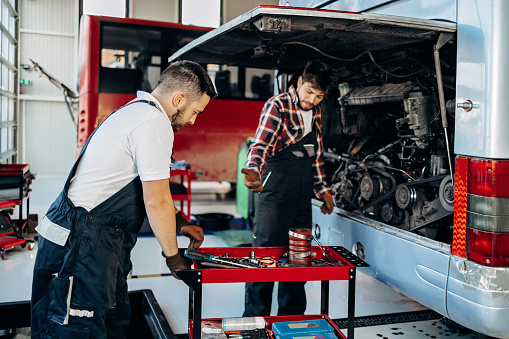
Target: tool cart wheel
<point x="31" y="246"/>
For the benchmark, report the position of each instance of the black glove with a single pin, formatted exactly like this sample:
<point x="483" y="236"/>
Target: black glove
<point x="181" y="221"/>
<point x="176" y="263"/>
<point x="195" y="235"/>
<point x="193" y="232"/>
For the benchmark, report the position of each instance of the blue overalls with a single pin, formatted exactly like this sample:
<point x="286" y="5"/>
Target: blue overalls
<point x="80" y="286"/>
<point x="284" y="203"/>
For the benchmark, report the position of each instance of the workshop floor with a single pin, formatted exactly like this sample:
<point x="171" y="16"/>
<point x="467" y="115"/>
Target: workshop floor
<point x="220" y="300"/>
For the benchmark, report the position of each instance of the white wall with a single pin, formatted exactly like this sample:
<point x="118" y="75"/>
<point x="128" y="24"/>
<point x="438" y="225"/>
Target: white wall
<point x="49" y="36"/>
<point x="167" y="10"/>
<point x="234" y="8"/>
<point x="114" y="8"/>
<point x="158" y="10"/>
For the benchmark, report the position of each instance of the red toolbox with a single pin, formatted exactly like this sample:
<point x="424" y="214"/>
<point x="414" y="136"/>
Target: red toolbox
<point x="345" y="269"/>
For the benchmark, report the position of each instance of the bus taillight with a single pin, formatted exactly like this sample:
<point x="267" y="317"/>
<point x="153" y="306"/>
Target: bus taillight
<point x="487" y="229"/>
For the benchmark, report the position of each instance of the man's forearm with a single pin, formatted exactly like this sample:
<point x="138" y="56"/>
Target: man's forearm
<point x="161" y="214"/>
<point x="164" y="227"/>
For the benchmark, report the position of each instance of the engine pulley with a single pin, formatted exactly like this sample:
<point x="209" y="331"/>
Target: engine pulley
<point x="446" y="193"/>
<point x="369" y="186"/>
<point x="405" y="196"/>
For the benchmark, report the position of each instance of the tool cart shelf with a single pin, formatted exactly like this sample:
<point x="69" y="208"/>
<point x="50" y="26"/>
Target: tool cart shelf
<point x="346" y="270"/>
<point x="15" y="180"/>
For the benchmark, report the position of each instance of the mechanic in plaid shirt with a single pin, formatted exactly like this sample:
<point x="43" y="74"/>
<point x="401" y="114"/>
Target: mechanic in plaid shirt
<point x="286" y="156"/>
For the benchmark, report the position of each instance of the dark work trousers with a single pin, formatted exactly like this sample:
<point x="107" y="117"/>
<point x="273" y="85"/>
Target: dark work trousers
<point x="284" y="203"/>
<point x="79" y="289"/>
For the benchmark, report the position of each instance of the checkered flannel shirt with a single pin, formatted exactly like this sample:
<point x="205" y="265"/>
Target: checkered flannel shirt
<point x="281" y="125"/>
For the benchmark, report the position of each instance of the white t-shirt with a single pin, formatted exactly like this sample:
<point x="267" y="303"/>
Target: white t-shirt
<point x="307" y="117"/>
<point x="136" y="140"/>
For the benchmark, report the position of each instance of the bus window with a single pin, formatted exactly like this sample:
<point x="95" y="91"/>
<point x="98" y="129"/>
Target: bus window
<point x="232" y="82"/>
<point x="259" y="84"/>
<point x="130" y="59"/>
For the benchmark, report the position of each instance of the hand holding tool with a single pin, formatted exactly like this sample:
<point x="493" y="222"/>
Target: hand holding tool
<point x="328" y="204"/>
<point x="252" y="180"/>
<point x="176" y="263"/>
<point x="195" y="235"/>
<point x="181" y="221"/>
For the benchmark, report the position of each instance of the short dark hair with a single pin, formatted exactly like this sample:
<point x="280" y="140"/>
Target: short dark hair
<point x="319" y="74"/>
<point x="188" y="77"/>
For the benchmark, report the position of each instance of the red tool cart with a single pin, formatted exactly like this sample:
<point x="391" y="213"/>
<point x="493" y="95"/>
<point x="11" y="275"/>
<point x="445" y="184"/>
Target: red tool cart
<point x="183" y="197"/>
<point x="346" y="270"/>
<point x="15" y="180"/>
<point x="10" y="236"/>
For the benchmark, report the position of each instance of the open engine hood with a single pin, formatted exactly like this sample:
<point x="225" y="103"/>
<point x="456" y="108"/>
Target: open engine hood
<point x="284" y="38"/>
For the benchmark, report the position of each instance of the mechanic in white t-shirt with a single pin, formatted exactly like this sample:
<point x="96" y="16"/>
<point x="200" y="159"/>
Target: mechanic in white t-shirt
<point x="122" y="175"/>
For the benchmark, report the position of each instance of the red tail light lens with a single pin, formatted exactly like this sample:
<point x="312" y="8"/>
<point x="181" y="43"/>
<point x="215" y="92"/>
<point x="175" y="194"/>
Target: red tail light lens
<point x="487" y="229"/>
<point x="489" y="178"/>
<point x="488" y="248"/>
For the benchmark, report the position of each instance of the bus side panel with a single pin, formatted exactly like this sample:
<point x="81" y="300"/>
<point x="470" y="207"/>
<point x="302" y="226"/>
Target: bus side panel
<point x="212" y="155"/>
<point x="229" y="115"/>
<point x="93" y="109"/>
<point x="210" y="145"/>
<point x="482" y="73"/>
<point x="399" y="260"/>
<point x="89" y="65"/>
<point x="87" y="113"/>
<point x="108" y="102"/>
<point x="89" y="54"/>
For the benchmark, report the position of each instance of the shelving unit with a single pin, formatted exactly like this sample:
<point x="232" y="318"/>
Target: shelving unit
<point x="198" y="276"/>
<point x="17" y="175"/>
<point x="185" y="177"/>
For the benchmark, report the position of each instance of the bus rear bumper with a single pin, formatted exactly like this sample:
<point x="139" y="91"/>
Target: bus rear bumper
<point x="478" y="297"/>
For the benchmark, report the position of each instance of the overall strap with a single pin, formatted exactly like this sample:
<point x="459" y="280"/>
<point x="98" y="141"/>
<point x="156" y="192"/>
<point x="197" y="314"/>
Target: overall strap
<point x="75" y="167"/>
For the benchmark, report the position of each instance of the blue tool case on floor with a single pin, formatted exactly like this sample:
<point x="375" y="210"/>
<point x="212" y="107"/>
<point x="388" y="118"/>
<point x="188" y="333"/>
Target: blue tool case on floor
<point x="307" y="328"/>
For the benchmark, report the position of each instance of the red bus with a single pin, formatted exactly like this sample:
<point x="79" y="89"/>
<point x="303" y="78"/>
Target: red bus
<point x="120" y="56"/>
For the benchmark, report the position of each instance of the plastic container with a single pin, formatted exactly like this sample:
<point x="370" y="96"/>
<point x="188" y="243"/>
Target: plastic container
<point x="243" y="324"/>
<point x="214" y="221"/>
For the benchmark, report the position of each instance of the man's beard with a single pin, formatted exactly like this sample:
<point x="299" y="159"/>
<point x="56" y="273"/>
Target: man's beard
<point x="300" y="104"/>
<point x="176" y="122"/>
